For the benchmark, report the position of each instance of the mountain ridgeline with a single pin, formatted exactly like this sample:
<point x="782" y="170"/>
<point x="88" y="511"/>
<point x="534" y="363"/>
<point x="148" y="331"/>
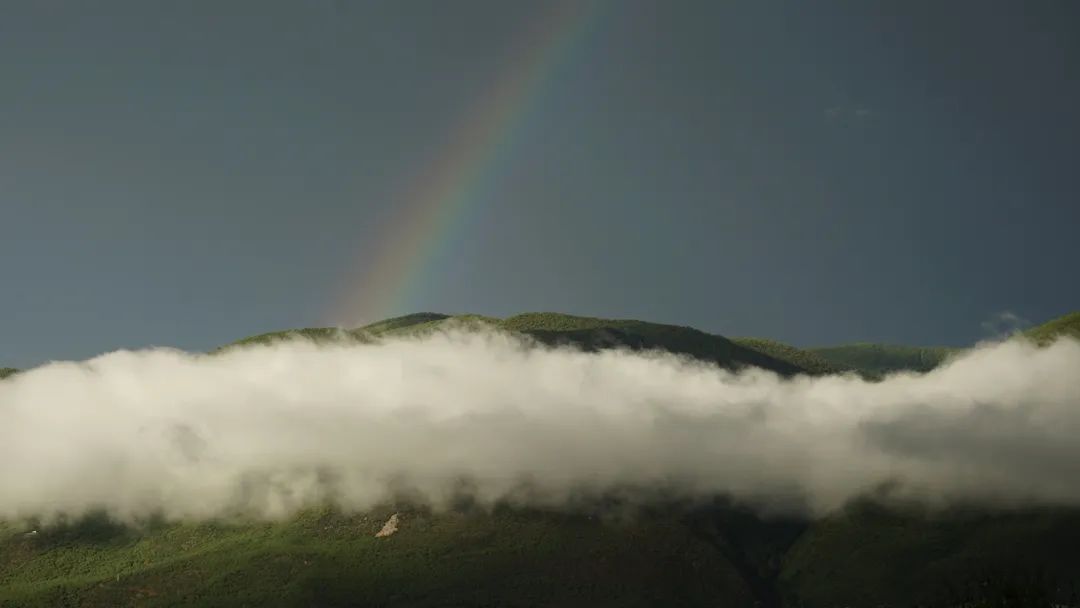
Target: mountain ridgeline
<point x="1067" y="325"/>
<point x="586" y="333"/>
<point x="879" y="359"/>
<point x="668" y="554"/>
<point x="590" y="334"/>
<point x="868" y="359"/>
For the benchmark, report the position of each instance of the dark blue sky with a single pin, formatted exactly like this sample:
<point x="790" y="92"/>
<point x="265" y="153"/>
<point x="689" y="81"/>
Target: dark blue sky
<point x="185" y="174"/>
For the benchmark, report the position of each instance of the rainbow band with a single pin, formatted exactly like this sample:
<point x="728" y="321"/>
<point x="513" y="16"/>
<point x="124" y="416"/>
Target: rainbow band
<point x="440" y="198"/>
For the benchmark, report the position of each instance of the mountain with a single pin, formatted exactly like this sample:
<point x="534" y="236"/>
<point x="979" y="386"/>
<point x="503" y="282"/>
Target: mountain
<point x="398" y="323"/>
<point x="1067" y="325"/>
<point x="592" y="334"/>
<point x="668" y="555"/>
<point x="880" y="359"/>
<point x="326" y="558"/>
<point x="587" y="333"/>
<point x="807" y="360"/>
<point x="871" y="553"/>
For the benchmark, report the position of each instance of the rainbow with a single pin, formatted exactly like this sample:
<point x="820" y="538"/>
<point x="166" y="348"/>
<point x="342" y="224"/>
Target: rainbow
<point x="440" y="197"/>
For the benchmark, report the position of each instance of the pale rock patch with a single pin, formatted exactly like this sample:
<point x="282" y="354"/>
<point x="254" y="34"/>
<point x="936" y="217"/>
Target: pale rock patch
<point x="389" y="527"/>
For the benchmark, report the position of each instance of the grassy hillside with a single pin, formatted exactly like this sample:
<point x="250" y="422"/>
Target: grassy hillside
<point x="878" y="359"/>
<point x="869" y="554"/>
<point x="331" y="334"/>
<point x="708" y="555"/>
<point x="592" y="333"/>
<point x="552" y="328"/>
<point x="315" y="334"/>
<point x="398" y="323"/>
<point x="1068" y="325"/>
<point x="808" y="360"/>
<point x="7" y="371"/>
<point x="325" y="558"/>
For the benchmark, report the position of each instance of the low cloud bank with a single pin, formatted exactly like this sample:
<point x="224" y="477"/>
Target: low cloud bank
<point x="264" y="431"/>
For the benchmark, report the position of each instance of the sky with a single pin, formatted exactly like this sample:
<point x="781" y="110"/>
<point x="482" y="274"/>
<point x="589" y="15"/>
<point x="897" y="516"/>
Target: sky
<point x="185" y="174"/>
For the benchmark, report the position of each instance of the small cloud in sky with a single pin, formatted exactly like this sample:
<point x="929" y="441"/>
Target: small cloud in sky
<point x="1004" y="324"/>
<point x="854" y="112"/>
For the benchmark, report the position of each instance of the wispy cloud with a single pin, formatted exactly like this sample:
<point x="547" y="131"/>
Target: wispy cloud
<point x="1004" y="324"/>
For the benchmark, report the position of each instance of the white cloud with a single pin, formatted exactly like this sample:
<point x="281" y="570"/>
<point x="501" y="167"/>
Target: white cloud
<point x="1004" y="324"/>
<point x="266" y="430"/>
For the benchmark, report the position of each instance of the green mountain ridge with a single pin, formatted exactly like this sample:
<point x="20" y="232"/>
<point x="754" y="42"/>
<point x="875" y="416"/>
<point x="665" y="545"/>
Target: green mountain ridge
<point x="876" y="360"/>
<point x="870" y="359"/>
<point x="880" y="359"/>
<point x="587" y="333"/>
<point x="868" y="554"/>
<point x="807" y="360"/>
<point x="1065" y="325"/>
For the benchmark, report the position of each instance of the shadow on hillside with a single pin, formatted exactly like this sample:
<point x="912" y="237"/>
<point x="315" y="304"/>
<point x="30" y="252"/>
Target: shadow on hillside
<point x="1014" y="588"/>
<point x="95" y="528"/>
